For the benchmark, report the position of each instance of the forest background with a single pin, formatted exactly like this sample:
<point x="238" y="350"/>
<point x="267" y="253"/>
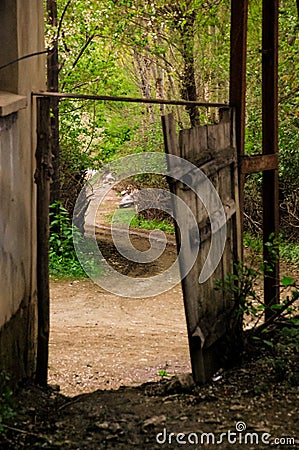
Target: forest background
<point x="161" y="49"/>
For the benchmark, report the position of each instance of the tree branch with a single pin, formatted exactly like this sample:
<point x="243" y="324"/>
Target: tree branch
<point x="61" y="19"/>
<point x="255" y="331"/>
<point x="88" y="41"/>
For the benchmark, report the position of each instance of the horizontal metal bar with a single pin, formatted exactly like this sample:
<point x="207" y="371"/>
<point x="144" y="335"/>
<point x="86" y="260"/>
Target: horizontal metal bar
<point x="258" y="163"/>
<point x="108" y="98"/>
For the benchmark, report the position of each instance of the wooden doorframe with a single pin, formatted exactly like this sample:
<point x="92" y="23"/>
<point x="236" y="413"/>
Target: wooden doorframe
<point x="42" y="179"/>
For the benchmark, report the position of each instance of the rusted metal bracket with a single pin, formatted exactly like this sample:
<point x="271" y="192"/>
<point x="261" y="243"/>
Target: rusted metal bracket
<point x="258" y="163"/>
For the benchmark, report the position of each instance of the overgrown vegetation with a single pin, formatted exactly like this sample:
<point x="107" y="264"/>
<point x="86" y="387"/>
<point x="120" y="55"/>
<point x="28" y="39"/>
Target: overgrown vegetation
<point x="63" y="258"/>
<point x="249" y="303"/>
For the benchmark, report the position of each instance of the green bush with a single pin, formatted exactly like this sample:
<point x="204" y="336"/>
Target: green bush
<point x="62" y="254"/>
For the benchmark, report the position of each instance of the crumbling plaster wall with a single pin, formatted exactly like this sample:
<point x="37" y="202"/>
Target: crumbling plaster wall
<point x="21" y="33"/>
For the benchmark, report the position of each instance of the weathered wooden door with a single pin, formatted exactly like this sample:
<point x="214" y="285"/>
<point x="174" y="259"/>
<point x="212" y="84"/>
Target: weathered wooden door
<point x="210" y="150"/>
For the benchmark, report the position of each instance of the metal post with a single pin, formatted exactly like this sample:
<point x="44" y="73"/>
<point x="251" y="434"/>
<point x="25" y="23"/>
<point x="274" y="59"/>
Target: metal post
<point x="270" y="146"/>
<point x="238" y="51"/>
<point x="42" y="179"/>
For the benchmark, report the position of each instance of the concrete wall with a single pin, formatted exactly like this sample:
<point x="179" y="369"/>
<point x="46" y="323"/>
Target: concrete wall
<point x="21" y="33"/>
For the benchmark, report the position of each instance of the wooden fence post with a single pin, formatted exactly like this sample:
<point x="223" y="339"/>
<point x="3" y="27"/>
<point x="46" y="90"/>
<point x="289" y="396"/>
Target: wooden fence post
<point x="42" y="179"/>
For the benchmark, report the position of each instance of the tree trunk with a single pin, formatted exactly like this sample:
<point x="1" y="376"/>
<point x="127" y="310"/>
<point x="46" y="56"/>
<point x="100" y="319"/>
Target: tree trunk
<point x="143" y="68"/>
<point x="188" y="82"/>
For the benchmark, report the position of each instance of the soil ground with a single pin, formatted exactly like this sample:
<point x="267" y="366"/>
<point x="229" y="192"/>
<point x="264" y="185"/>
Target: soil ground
<point x="99" y="340"/>
<point x="106" y="389"/>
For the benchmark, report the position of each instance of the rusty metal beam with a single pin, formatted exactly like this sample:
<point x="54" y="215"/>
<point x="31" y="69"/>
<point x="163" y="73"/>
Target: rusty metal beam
<point x="238" y="50"/>
<point x="238" y="53"/>
<point x="258" y="163"/>
<point x="270" y="146"/>
<point x="156" y="101"/>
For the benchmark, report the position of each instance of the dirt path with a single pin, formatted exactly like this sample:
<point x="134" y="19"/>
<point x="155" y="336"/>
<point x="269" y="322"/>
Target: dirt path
<point x="99" y="340"/>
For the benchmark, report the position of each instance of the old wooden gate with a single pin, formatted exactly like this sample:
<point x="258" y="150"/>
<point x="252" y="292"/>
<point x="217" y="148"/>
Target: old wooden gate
<point x="209" y="311"/>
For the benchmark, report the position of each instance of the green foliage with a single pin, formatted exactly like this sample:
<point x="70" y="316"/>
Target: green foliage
<point x="140" y="222"/>
<point x="150" y="49"/>
<point x="254" y="244"/>
<point x="242" y="285"/>
<point x="6" y="410"/>
<point x="149" y="140"/>
<point x="64" y="262"/>
<point x="281" y="360"/>
<point x="128" y="216"/>
<point x="289" y="97"/>
<point x="63" y="259"/>
<point x="290" y="252"/>
<point x="163" y="373"/>
<point x="287" y="281"/>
